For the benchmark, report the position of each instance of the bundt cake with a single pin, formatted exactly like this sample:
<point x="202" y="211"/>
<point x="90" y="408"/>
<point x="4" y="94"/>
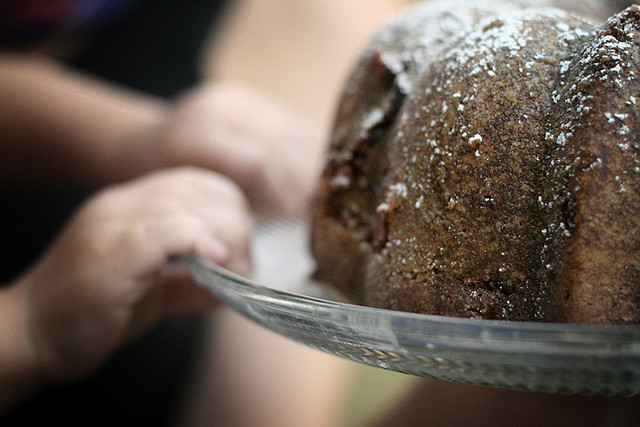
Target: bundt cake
<point x="485" y="163"/>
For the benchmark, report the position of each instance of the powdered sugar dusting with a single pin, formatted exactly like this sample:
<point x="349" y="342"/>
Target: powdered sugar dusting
<point x="514" y="124"/>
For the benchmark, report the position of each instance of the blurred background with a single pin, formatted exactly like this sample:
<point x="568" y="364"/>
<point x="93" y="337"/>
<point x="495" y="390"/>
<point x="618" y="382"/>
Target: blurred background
<point x="300" y="52"/>
<point x="297" y="50"/>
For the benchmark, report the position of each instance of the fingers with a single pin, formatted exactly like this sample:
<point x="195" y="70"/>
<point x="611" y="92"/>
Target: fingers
<point x="270" y="152"/>
<point x="103" y="281"/>
<point x="172" y="214"/>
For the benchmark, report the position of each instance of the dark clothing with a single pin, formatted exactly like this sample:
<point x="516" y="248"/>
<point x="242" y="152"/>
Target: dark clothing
<point x="27" y="20"/>
<point x="155" y="49"/>
<point x="141" y="385"/>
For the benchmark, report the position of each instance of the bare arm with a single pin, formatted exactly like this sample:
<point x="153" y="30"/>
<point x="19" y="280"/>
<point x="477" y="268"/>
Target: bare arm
<point x="60" y="126"/>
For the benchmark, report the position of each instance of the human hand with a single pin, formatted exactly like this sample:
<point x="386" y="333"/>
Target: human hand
<point x="104" y="280"/>
<point x="239" y="133"/>
<point x="98" y="134"/>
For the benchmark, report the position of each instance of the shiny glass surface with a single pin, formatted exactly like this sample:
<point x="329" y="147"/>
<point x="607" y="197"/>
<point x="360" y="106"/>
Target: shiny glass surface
<point x="558" y="358"/>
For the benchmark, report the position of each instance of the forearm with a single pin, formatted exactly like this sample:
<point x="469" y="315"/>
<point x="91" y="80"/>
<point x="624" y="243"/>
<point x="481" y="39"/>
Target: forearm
<point x="59" y="126"/>
<point x="18" y="366"/>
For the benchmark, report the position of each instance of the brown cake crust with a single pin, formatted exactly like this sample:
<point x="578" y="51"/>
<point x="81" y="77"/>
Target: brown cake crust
<point x="486" y="164"/>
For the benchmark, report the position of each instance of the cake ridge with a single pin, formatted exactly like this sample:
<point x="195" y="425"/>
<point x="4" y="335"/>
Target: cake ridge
<point x="458" y="180"/>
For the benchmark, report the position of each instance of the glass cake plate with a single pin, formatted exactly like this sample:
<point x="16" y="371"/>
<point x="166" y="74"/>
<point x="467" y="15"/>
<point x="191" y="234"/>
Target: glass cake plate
<point x="544" y="357"/>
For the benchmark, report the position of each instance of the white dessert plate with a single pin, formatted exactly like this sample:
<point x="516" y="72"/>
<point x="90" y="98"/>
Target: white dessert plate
<point x="545" y="357"/>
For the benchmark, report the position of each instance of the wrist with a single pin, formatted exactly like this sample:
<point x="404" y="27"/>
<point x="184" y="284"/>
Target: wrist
<point x="19" y="370"/>
<point x="134" y="152"/>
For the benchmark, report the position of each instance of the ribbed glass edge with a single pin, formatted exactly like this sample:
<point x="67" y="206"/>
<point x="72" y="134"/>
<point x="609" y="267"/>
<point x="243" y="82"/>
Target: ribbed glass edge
<point x="471" y="334"/>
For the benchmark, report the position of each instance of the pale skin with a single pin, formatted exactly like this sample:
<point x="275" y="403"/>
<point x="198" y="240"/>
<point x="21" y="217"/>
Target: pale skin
<point x="302" y="384"/>
<point x="129" y="137"/>
<point x="101" y="163"/>
<point x="281" y="56"/>
<point x="228" y="128"/>
<point x="105" y="279"/>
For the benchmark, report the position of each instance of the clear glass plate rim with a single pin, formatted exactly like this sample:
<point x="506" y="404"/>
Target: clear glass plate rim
<point x="625" y="338"/>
